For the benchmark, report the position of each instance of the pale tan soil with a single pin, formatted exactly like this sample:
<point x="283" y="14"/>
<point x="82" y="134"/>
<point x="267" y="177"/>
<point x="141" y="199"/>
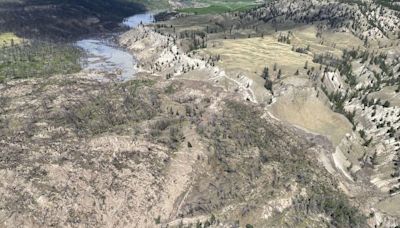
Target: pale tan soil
<point x="391" y="205"/>
<point x="388" y="94"/>
<point x="115" y="179"/>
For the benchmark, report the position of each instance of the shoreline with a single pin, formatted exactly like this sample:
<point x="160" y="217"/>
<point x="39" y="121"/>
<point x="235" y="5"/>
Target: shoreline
<point x="104" y="54"/>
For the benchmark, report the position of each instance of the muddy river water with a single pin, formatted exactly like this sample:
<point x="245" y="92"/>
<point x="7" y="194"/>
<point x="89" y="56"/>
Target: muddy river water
<point x="105" y="56"/>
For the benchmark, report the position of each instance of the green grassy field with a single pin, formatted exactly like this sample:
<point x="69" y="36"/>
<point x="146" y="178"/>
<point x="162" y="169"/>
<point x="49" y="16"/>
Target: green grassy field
<point x="215" y="7"/>
<point x="153" y="4"/>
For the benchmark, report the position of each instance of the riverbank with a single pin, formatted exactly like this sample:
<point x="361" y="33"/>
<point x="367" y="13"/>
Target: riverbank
<point x="105" y="57"/>
<point x="162" y="56"/>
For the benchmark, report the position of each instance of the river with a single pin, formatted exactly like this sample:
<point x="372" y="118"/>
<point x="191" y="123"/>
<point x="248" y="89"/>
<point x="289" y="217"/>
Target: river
<point x="103" y="54"/>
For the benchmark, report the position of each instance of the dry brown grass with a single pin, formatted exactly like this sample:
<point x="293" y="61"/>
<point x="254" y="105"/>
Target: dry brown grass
<point x="301" y="108"/>
<point x="329" y="42"/>
<point x="298" y="107"/>
<point x="387" y="94"/>
<point x="252" y="55"/>
<point x="7" y="38"/>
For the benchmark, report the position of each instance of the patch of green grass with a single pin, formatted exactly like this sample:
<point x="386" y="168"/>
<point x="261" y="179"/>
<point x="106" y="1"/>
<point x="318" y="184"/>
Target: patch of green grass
<point x="153" y="4"/>
<point x="391" y="4"/>
<point x="221" y="7"/>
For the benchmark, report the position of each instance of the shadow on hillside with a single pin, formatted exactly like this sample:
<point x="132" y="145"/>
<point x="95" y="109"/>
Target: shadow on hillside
<point x="64" y="19"/>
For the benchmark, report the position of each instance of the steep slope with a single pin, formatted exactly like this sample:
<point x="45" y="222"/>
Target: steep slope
<point x="330" y="68"/>
<point x="152" y="152"/>
<point x="278" y="116"/>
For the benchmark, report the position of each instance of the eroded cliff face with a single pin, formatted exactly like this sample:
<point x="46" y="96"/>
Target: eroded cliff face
<point x="63" y="19"/>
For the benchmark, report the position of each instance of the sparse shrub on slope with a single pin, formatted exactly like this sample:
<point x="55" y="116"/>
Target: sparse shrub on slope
<point x="37" y="59"/>
<point x="114" y="107"/>
<point x="253" y="160"/>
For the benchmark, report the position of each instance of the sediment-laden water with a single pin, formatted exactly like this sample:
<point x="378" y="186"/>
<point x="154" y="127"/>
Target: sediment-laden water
<point x="104" y="55"/>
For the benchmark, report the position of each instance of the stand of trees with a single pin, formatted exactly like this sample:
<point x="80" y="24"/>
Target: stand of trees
<point x="63" y="19"/>
<point x="38" y="59"/>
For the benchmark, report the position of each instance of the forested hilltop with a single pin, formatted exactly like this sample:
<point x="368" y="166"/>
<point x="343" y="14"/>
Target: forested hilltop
<point x="63" y="19"/>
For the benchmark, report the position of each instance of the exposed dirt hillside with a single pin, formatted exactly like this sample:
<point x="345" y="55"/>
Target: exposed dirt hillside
<point x="77" y="152"/>
<point x="285" y="115"/>
<point x="329" y="68"/>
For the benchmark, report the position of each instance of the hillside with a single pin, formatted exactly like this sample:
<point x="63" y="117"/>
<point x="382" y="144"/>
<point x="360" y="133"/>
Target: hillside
<point x="238" y="113"/>
<point x="328" y="68"/>
<point x="61" y="19"/>
<point x="100" y="151"/>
